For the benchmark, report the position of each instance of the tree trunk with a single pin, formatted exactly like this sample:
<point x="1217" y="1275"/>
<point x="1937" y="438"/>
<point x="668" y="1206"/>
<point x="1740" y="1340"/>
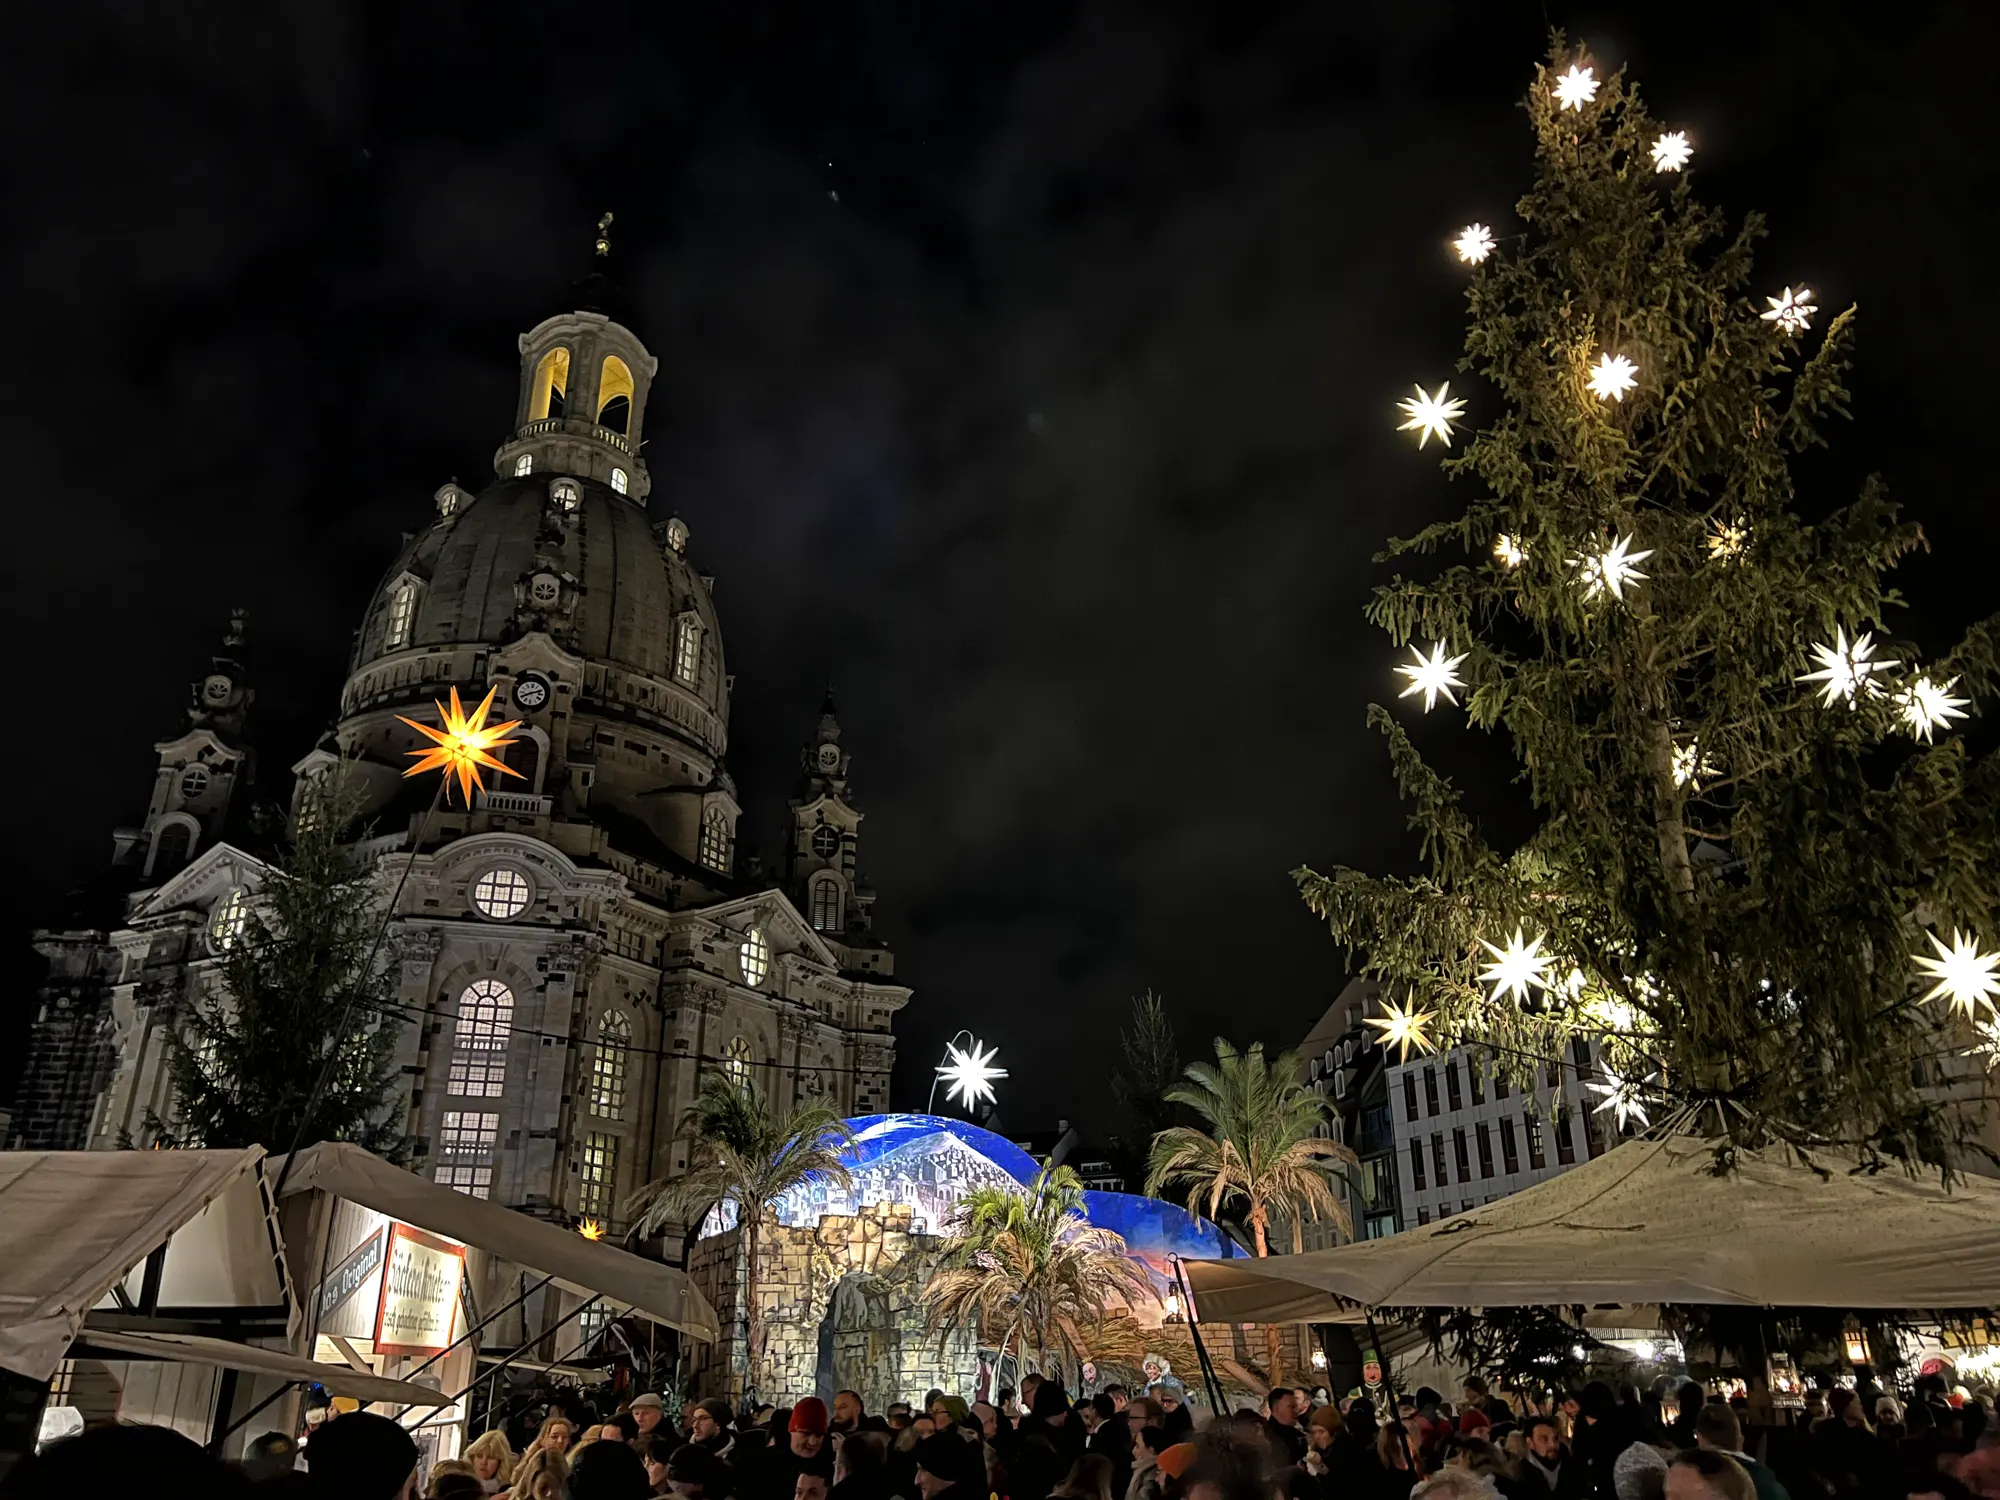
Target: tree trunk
<point x="753" y="1322"/>
<point x="1274" y="1358"/>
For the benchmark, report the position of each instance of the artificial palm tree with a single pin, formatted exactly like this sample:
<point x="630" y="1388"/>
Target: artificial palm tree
<point x="743" y="1154"/>
<point x="1029" y="1265"/>
<point x="1261" y="1151"/>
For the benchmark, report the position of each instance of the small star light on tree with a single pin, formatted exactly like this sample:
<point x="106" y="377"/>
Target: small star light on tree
<point x="1404" y="1027"/>
<point x="1846" y="670"/>
<point x="1510" y="550"/>
<point x="1434" y="676"/>
<point x="1924" y="706"/>
<point x="466" y="743"/>
<point x="1612" y="376"/>
<point x="1671" y="151"/>
<point x="968" y="1073"/>
<point x="1726" y="540"/>
<point x="1431" y="416"/>
<point x="1609" y="571"/>
<point x="1518" y="967"/>
<point x="1791" y="311"/>
<point x="1621" y="1098"/>
<point x="1474" y="243"/>
<point x="1691" y="766"/>
<point x="1964" y="975"/>
<point x="1575" y="88"/>
<point x="590" y="1229"/>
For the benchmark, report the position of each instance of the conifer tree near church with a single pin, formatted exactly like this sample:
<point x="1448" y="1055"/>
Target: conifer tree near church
<point x="1764" y="864"/>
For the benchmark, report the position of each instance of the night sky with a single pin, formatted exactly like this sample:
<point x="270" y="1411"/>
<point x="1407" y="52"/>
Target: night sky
<point x="1027" y="371"/>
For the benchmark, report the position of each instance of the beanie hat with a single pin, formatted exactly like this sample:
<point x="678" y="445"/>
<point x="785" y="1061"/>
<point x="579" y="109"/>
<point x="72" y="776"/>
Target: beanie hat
<point x="363" y="1455"/>
<point x="1472" y="1420"/>
<point x="1327" y="1418"/>
<point x="1629" y="1471"/>
<point x="690" y="1463"/>
<point x="950" y="1457"/>
<point x="1178" y="1459"/>
<point x="809" y="1416"/>
<point x="1050" y="1399"/>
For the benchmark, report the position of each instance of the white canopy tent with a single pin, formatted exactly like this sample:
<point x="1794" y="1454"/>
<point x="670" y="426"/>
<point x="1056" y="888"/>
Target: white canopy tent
<point x="191" y="1349"/>
<point x="660" y="1292"/>
<point x="1651" y="1222"/>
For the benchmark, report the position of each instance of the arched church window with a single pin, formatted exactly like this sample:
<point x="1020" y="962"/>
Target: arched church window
<point x="606" y="1090"/>
<point x="826" y="841"/>
<point x="619" y="484"/>
<point x="736" y="1061"/>
<point x="614" y="395"/>
<point x="479" y="1041"/>
<point x="715" y="840"/>
<point x="546" y="397"/>
<point x="826" y="905"/>
<point x="194" y="781"/>
<point x="501" y="893"/>
<point x="170" y="849"/>
<point x="565" y="496"/>
<point x="524" y="466"/>
<point x="402" y="611"/>
<point x="230" y="920"/>
<point x="687" y="648"/>
<point x="755" y="957"/>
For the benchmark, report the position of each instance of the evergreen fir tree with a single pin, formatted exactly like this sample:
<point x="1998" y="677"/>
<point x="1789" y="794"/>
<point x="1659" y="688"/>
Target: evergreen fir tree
<point x="1751" y="810"/>
<point x="250" y="1053"/>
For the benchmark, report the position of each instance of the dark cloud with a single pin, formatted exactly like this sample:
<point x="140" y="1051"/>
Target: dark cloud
<point x="1026" y="372"/>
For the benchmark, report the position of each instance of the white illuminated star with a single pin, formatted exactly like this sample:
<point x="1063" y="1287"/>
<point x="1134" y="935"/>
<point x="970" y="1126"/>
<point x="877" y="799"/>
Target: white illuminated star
<point x="1612" y="376"/>
<point x="1690" y="765"/>
<point x="1964" y="975"/>
<point x="969" y="1073"/>
<point x="1431" y="416"/>
<point x="1521" y="965"/>
<point x="1671" y="151"/>
<point x="1987" y="1046"/>
<point x="1433" y="676"/>
<point x="1926" y="705"/>
<point x="1404" y="1028"/>
<point x="1575" y="88"/>
<point x="1474" y="243"/>
<point x="1621" y="1098"/>
<point x="1610" y="570"/>
<point x="1846" y="669"/>
<point x="1726" y="540"/>
<point x="1791" y="311"/>
<point x="1511" y="551"/>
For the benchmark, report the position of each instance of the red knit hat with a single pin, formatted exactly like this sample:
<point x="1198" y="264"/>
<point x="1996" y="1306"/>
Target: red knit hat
<point x="809" y="1416"/>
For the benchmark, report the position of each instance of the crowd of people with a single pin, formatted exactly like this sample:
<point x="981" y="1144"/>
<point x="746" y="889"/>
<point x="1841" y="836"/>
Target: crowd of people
<point x="1594" y="1444"/>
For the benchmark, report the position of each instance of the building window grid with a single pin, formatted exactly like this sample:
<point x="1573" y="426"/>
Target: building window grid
<point x="501" y="893"/>
<point x="1485" y="1136"/>
<point x="1417" y="1166"/>
<point x="687" y="648"/>
<point x="1410" y="1096"/>
<point x="1531" y="1125"/>
<point x="606" y="1090"/>
<point x="715" y="840"/>
<point x="466" y="1140"/>
<point x="736" y="1061"/>
<point x="755" y="957"/>
<point x="1565" y="1146"/>
<point x="597" y="1166"/>
<point x="826" y="905"/>
<point x="1463" y="1155"/>
<point x="1509" y="1157"/>
<point x="1430" y="1090"/>
<point x="1437" y="1157"/>
<point x="479" y="1041"/>
<point x="1451" y="1091"/>
<point x="402" y="608"/>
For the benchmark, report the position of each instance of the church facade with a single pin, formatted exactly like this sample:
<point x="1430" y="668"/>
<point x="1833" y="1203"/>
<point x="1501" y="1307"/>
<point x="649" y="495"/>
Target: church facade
<point x="576" y="948"/>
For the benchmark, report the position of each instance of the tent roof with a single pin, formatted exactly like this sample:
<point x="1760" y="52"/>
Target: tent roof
<point x="1650" y="1222"/>
<point x="72" y="1223"/>
<point x="340" y="1380"/>
<point x="661" y="1292"/>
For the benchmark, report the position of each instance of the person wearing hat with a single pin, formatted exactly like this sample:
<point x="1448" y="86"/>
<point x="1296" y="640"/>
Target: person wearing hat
<point x="947" y="1465"/>
<point x="648" y="1411"/>
<point x="774" y="1473"/>
<point x="269" y="1456"/>
<point x="363" y="1456"/>
<point x="1173" y="1465"/>
<point x="708" y="1426"/>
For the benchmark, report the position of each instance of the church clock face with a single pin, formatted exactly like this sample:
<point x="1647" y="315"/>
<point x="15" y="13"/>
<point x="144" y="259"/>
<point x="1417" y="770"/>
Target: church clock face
<point x="826" y="841"/>
<point x="216" y="689"/>
<point x="829" y="757"/>
<point x="531" y="692"/>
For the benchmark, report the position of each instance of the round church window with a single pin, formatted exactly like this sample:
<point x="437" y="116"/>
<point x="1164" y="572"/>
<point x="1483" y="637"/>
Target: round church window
<point x="501" y="893"/>
<point x="826" y="841"/>
<point x="544" y="588"/>
<point x="194" y="781"/>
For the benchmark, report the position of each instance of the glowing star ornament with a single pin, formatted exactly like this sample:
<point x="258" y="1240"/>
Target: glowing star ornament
<point x="1690" y="765"/>
<point x="1431" y="416"/>
<point x="1610" y="570"/>
<point x="1575" y="88"/>
<point x="1726" y="540"/>
<point x="590" y="1229"/>
<point x="1671" y="151"/>
<point x="464" y="745"/>
<point x="1404" y="1028"/>
<point x="969" y="1073"/>
<point x="1474" y="244"/>
<point x="1621" y="1098"/>
<point x="1520" y="966"/>
<point x="1845" y="669"/>
<point x="1510" y="550"/>
<point x="1434" y="676"/>
<point x="1925" y="705"/>
<point x="1964" y="975"/>
<point x="1612" y="376"/>
<point x="1791" y="311"/>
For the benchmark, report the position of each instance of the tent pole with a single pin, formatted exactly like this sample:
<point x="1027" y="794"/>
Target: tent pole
<point x="1389" y="1390"/>
<point x="1200" y="1349"/>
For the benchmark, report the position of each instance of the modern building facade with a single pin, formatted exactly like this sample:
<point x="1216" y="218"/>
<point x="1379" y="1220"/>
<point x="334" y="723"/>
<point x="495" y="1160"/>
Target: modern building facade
<point x="580" y="945"/>
<point x="1347" y="1067"/>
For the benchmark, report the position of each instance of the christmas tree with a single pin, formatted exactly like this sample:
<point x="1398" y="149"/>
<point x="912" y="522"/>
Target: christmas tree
<point x="304" y="979"/>
<point x="1762" y="871"/>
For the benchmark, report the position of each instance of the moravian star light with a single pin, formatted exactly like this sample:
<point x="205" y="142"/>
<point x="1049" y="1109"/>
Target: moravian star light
<point x="1671" y="151"/>
<point x="1520" y="967"/>
<point x="1791" y="310"/>
<point x="591" y="1229"/>
<point x="1964" y="975"/>
<point x="969" y="1073"/>
<point x="1575" y="88"/>
<point x="1404" y="1028"/>
<point x="1431" y="416"/>
<point x="466" y="743"/>
<point x="1845" y="669"/>
<point x="1433" y="675"/>
<point x="1610" y="570"/>
<point x="1612" y="376"/>
<point x="1925" y="706"/>
<point x="1726" y="540"/>
<point x="1690" y="765"/>
<point x="1474" y="243"/>
<point x="1621" y="1098"/>
<point x="1511" y="551"/>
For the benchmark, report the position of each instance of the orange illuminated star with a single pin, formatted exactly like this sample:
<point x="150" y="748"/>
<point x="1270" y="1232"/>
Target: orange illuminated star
<point x="464" y="745"/>
<point x="590" y="1229"/>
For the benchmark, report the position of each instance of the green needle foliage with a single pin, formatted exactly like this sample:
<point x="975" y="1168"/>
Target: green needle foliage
<point x="1741" y="938"/>
<point x="250" y="1051"/>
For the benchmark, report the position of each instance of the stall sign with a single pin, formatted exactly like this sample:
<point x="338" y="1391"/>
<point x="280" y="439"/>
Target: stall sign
<point x="352" y="1274"/>
<point x="421" y="1278"/>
